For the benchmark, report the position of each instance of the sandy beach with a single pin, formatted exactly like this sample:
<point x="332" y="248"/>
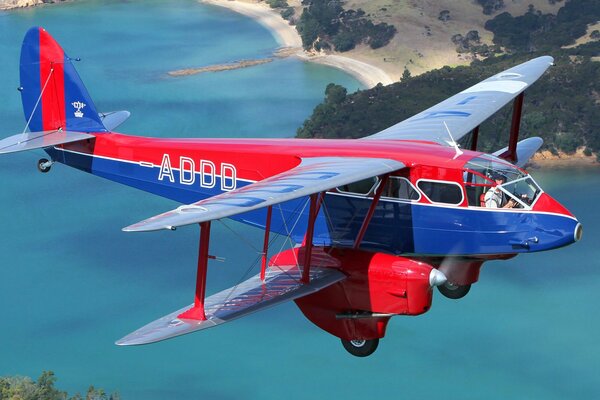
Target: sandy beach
<point x="287" y="36"/>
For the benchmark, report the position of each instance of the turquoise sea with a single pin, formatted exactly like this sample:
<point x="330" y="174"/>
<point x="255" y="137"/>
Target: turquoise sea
<point x="71" y="283"/>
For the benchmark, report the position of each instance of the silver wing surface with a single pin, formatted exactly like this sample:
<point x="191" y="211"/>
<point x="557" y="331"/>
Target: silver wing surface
<point x="111" y="120"/>
<point x="281" y="284"/>
<point x="312" y="175"/>
<point x="39" y="140"/>
<point x="468" y="109"/>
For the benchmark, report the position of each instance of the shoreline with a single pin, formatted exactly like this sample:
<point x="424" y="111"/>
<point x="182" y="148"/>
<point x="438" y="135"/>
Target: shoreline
<point x="18" y="4"/>
<point x="546" y="160"/>
<point x="287" y="36"/>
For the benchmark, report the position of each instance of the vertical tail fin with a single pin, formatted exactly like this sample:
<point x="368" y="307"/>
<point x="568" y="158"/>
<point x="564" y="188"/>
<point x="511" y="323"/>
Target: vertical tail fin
<point x="52" y="92"/>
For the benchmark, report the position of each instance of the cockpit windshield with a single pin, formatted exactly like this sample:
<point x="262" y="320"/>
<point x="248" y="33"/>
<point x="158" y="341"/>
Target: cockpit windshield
<point x="509" y="186"/>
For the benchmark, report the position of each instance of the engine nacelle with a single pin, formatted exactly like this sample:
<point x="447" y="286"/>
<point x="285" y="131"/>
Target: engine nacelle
<point x="378" y="286"/>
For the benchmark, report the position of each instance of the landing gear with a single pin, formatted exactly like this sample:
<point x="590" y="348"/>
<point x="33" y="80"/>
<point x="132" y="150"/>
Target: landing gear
<point x="360" y="347"/>
<point x="44" y="165"/>
<point x="453" y="291"/>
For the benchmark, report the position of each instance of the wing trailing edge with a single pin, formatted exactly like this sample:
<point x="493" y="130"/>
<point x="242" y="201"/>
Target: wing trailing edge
<point x="312" y="175"/>
<point x="281" y="284"/>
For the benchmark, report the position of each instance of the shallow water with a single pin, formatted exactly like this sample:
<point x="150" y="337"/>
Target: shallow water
<point x="72" y="283"/>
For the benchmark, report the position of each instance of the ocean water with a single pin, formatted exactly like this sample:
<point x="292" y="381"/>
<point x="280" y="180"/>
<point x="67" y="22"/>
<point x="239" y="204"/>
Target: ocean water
<point x="71" y="283"/>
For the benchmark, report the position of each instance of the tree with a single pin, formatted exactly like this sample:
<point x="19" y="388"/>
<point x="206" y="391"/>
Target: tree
<point x="335" y="94"/>
<point x="444" y="15"/>
<point x="405" y="75"/>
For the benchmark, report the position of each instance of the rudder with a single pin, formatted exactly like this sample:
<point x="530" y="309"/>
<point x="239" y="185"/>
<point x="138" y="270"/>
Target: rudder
<point x="53" y="95"/>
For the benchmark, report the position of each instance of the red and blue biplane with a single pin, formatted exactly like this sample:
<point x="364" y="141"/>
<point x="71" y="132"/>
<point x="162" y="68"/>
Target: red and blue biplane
<point x="379" y="222"/>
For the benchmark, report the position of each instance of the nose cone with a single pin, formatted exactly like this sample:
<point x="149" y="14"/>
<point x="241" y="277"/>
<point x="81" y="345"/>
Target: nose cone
<point x="436" y="278"/>
<point x="555" y="226"/>
<point x="578" y="232"/>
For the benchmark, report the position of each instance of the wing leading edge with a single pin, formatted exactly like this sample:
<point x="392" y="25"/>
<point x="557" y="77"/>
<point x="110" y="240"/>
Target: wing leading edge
<point x="312" y="175"/>
<point x="466" y="110"/>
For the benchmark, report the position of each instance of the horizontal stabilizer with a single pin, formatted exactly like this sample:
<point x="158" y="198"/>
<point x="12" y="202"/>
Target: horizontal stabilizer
<point x="281" y="284"/>
<point x="111" y="120"/>
<point x="525" y="150"/>
<point x="312" y="175"/>
<point x="39" y="140"/>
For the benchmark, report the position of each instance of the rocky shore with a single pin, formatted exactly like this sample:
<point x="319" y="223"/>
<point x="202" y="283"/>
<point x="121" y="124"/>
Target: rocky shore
<point x="10" y="4"/>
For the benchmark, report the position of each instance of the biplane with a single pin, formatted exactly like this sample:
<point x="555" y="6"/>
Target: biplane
<point x="375" y="224"/>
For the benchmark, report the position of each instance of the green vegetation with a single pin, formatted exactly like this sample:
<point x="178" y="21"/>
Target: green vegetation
<point x="562" y="107"/>
<point x="536" y="31"/>
<point x="471" y="43"/>
<point x="277" y="3"/>
<point x="325" y="24"/>
<point x="490" y="6"/>
<point x="20" y="388"/>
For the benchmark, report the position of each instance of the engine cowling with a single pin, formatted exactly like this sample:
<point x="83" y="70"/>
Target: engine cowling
<point x="378" y="286"/>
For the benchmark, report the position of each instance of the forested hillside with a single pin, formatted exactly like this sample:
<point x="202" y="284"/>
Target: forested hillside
<point x="563" y="107"/>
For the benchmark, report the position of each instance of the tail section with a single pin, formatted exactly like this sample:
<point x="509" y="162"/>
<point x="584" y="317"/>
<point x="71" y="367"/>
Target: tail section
<point x="53" y="95"/>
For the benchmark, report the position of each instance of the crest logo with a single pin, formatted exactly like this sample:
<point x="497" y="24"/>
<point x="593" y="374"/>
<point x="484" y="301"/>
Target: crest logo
<point x="78" y="106"/>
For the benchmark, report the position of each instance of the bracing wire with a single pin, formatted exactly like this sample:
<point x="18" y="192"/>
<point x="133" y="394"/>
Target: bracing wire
<point x="38" y="101"/>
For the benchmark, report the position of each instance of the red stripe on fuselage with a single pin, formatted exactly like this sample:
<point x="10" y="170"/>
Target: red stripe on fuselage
<point x="256" y="159"/>
<point x="52" y="104"/>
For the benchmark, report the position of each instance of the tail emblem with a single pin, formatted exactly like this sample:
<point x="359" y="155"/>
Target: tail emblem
<point x="78" y="106"/>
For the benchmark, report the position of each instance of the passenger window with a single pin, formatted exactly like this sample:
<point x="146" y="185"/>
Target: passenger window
<point x="364" y="187"/>
<point x="400" y="188"/>
<point x="441" y="192"/>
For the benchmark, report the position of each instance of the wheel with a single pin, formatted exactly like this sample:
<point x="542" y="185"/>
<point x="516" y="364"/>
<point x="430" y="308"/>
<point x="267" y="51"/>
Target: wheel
<point x="360" y="347"/>
<point x="453" y="291"/>
<point x="44" y="165"/>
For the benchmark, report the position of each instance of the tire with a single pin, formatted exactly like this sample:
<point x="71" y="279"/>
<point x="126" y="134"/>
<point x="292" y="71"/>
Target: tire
<point x="453" y="291"/>
<point x="40" y="166"/>
<point x="360" y="347"/>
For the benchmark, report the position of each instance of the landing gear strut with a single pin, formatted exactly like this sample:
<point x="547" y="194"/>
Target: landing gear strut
<point x="360" y="347"/>
<point x="453" y="291"/>
<point x="44" y="165"/>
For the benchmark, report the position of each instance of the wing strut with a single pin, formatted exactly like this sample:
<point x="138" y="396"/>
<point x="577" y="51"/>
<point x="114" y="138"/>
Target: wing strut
<point x="315" y="204"/>
<point x="197" y="310"/>
<point x="511" y="153"/>
<point x="367" y="220"/>
<point x="265" y="252"/>
<point x="474" y="138"/>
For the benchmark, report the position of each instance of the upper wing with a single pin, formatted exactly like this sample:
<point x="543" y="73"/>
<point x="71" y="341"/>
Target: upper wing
<point x="313" y="175"/>
<point x="468" y="109"/>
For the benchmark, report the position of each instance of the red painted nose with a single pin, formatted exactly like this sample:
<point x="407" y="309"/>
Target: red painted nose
<point x="547" y="204"/>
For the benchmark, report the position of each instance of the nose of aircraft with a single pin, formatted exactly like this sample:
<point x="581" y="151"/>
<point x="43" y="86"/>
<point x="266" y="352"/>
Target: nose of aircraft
<point x="556" y="226"/>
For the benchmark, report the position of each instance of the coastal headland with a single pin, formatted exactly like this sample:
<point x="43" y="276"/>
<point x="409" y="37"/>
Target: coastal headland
<point x="291" y="43"/>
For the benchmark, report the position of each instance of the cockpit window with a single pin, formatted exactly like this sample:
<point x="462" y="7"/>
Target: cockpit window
<point x="400" y="188"/>
<point x="524" y="191"/>
<point x="480" y="175"/>
<point x="364" y="187"/>
<point x="485" y="166"/>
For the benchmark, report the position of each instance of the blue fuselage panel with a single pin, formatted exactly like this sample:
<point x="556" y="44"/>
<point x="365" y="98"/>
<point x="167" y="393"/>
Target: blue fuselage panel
<point x="397" y="227"/>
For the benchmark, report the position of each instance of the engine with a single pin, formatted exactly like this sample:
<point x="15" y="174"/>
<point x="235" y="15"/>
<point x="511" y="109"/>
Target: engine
<point x="378" y="287"/>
